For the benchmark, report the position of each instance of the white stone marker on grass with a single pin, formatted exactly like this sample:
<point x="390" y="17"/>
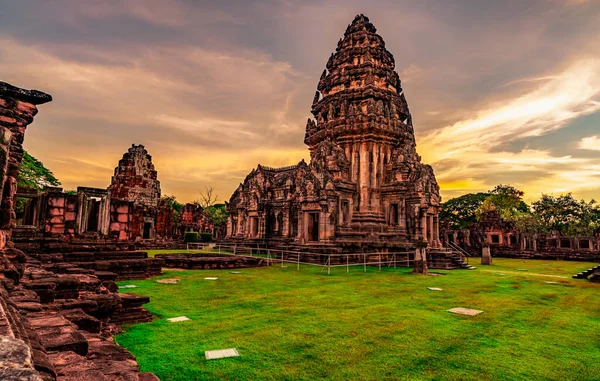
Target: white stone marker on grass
<point x="178" y="318"/>
<point x="551" y="282"/>
<point x="235" y="272"/>
<point x="168" y="281"/>
<point x="434" y="289"/>
<point x="211" y="278"/>
<point x="464" y="311"/>
<point x="221" y="354"/>
<point x="128" y="286"/>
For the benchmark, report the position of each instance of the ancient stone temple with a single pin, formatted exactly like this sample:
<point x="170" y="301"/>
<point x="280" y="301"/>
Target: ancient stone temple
<point x="129" y="209"/>
<point x="365" y="184"/>
<point x="135" y="183"/>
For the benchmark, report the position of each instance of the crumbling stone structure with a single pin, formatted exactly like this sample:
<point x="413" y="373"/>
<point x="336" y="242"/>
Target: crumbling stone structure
<point x="56" y="319"/>
<point x="193" y="218"/>
<point x="135" y="182"/>
<point x="505" y="240"/>
<point x="130" y="209"/>
<point x="365" y="185"/>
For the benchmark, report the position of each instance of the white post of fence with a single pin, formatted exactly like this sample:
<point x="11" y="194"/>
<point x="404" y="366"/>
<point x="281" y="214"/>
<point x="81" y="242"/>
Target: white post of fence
<point x="347" y="266"/>
<point x="269" y="256"/>
<point x="379" y="261"/>
<point x="394" y="260"/>
<point x="329" y="264"/>
<point x="365" y="261"/>
<point x="234" y="248"/>
<point x="298" y="266"/>
<point x="281" y="258"/>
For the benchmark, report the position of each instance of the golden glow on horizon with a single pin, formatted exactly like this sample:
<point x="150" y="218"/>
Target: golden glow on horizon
<point x="210" y="109"/>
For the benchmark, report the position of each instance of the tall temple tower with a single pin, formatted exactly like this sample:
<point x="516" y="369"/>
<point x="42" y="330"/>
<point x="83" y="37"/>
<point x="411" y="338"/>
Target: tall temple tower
<point x="365" y="184"/>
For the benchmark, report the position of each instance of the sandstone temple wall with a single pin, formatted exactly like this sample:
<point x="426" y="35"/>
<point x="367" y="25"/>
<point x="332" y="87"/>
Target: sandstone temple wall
<point x="505" y="240"/>
<point x="59" y="310"/>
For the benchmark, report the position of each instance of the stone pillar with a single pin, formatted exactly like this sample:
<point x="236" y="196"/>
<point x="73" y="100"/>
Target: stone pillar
<point x="229" y="226"/>
<point x="402" y="214"/>
<point x="436" y="231"/>
<point x="430" y="238"/>
<point x="322" y="225"/>
<point x="486" y="256"/>
<point x="364" y="178"/>
<point x="17" y="110"/>
<point x="424" y="226"/>
<point x="285" y="229"/>
<point x="420" y="265"/>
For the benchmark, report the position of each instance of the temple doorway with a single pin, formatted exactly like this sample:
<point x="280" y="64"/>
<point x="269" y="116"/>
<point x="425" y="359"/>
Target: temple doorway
<point x="147" y="230"/>
<point x="313" y="227"/>
<point x="93" y="214"/>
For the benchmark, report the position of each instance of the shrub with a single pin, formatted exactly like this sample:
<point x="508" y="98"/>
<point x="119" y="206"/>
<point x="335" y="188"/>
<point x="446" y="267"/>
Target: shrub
<point x="206" y="237"/>
<point x="190" y="237"/>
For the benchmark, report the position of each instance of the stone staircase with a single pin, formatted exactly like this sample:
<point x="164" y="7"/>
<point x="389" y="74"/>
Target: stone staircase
<point x="594" y="272"/>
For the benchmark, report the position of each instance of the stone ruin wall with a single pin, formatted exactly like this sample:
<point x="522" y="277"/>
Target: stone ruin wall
<point x="59" y="310"/>
<point x="17" y="110"/>
<point x="506" y="241"/>
<point x="117" y="213"/>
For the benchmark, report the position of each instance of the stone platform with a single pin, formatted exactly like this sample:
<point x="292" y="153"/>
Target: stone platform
<point x="209" y="261"/>
<point x="63" y="317"/>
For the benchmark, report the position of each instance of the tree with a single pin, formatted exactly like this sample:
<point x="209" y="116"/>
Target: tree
<point x="566" y="215"/>
<point x="460" y="212"/>
<point x="175" y="205"/>
<point x="207" y="198"/>
<point x="33" y="174"/>
<point x="506" y="200"/>
<point x="217" y="214"/>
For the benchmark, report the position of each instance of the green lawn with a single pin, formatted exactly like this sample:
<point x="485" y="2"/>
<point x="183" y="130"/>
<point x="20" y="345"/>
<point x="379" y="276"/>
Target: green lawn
<point x="307" y="325"/>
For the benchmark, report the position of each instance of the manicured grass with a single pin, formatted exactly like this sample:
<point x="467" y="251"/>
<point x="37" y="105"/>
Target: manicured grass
<point x="307" y="325"/>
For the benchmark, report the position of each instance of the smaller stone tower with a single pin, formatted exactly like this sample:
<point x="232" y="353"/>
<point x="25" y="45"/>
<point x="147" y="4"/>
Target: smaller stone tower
<point x="135" y="178"/>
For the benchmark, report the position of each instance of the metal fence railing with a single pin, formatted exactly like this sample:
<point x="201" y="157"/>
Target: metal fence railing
<point x="324" y="260"/>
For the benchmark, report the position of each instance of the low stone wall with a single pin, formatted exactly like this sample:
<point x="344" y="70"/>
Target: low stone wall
<point x="125" y="264"/>
<point x="209" y="261"/>
<point x="556" y="254"/>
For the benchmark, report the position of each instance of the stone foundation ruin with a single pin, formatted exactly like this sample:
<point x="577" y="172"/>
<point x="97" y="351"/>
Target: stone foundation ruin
<point x="58" y="311"/>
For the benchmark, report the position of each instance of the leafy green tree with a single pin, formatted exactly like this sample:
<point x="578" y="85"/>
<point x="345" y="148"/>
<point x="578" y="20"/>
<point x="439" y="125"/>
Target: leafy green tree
<point x="175" y="205"/>
<point x="506" y="200"/>
<point x="33" y="174"/>
<point x="460" y="212"/>
<point x="217" y="214"/>
<point x="567" y="215"/>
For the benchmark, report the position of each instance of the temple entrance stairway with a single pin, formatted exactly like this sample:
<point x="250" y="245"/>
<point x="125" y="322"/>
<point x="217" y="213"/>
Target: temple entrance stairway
<point x="592" y="274"/>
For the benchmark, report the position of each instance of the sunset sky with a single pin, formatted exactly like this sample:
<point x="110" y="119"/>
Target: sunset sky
<point x="500" y="91"/>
